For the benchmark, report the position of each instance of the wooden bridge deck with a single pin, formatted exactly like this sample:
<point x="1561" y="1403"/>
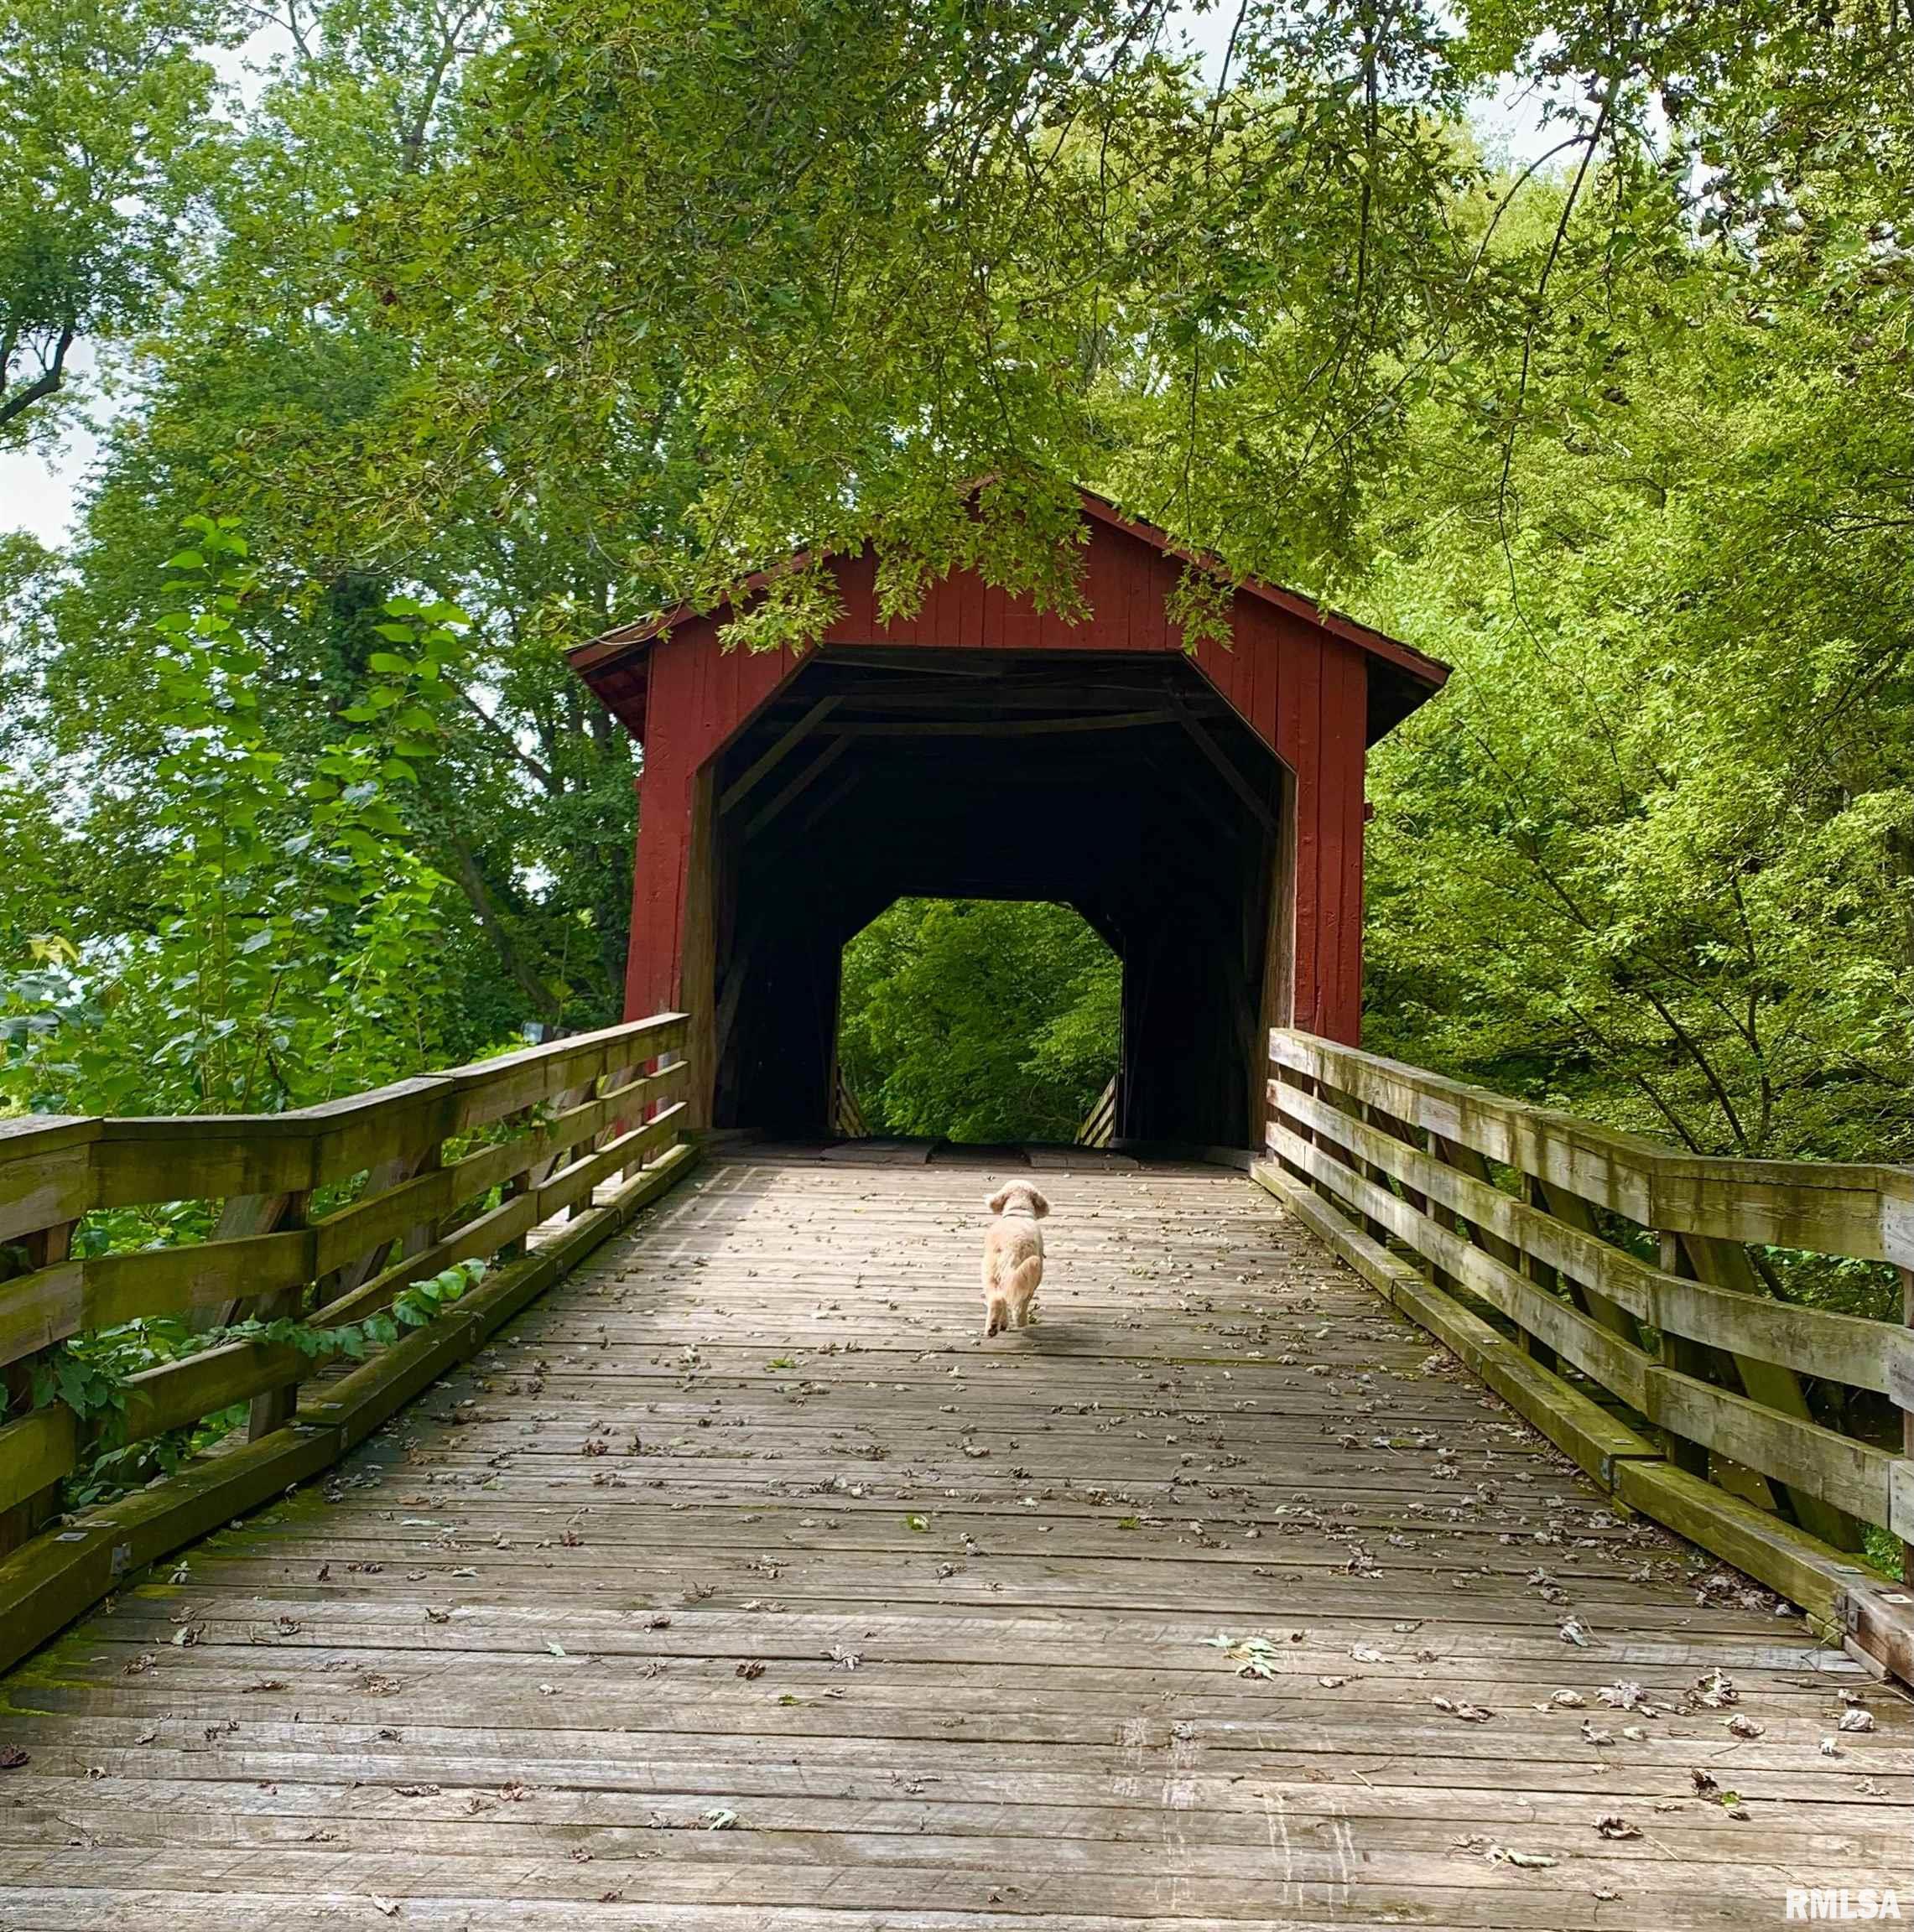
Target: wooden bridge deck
<point x="742" y="1586"/>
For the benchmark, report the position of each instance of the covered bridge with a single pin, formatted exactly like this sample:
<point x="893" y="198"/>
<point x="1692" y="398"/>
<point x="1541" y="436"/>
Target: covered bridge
<point x="1243" y="1591"/>
<point x="1203" y="810"/>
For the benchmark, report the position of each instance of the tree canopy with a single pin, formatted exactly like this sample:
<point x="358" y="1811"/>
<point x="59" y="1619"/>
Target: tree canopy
<point x="478" y="325"/>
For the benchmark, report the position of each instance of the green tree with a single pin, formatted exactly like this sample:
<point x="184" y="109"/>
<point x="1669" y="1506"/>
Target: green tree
<point x="979" y="1019"/>
<point x="102" y="105"/>
<point x="287" y="951"/>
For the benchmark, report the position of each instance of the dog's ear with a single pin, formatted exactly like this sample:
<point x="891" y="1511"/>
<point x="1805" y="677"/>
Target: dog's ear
<point x="997" y="1202"/>
<point x="1039" y="1205"/>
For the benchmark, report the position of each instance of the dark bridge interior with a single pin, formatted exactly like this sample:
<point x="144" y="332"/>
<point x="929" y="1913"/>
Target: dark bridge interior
<point x="1123" y="785"/>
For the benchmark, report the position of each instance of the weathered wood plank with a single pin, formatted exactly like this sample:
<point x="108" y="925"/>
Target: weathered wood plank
<point x="1853" y="1475"/>
<point x="490" y="1090"/>
<point x="45" y="1172"/>
<point x="179" y="1393"/>
<point x="37" y="1450"/>
<point x="603" y="1586"/>
<point x="1866" y="1212"/>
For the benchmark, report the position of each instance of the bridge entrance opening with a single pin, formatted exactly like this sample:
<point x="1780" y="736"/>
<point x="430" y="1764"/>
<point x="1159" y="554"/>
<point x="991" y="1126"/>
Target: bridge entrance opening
<point x="976" y="1021"/>
<point x="1122" y="785"/>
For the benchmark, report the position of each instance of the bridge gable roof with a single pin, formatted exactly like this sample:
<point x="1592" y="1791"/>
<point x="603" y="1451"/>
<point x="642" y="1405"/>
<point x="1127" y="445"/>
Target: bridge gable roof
<point x="961" y="611"/>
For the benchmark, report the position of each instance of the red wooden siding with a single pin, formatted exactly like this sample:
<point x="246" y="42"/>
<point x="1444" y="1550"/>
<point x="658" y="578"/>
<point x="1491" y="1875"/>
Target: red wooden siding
<point x="1298" y="683"/>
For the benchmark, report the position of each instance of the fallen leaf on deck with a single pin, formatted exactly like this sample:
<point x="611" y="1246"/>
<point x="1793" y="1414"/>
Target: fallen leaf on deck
<point x="1253" y="1656"/>
<point x="1462" y="1708"/>
<point x="1717" y="1691"/>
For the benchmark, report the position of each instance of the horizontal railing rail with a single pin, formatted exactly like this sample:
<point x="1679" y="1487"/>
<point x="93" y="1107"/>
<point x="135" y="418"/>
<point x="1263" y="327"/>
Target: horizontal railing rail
<point x="1615" y="1291"/>
<point x="321" y="1222"/>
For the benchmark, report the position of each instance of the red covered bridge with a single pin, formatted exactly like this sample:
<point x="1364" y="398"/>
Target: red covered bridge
<point x="1202" y="808"/>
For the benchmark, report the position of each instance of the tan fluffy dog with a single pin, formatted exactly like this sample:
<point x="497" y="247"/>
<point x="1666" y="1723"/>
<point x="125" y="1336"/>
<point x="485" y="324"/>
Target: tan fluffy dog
<point x="1014" y="1256"/>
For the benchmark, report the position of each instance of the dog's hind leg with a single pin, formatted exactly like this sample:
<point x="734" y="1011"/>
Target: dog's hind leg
<point x="1022" y="1288"/>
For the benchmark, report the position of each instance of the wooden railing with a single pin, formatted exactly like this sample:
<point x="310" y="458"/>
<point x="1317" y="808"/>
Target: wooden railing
<point x="1604" y="1286"/>
<point x="1099" y="1128"/>
<point x="323" y="1219"/>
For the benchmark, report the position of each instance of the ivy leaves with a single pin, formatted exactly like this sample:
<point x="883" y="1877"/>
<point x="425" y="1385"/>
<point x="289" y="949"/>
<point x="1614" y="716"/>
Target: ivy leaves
<point x="90" y="1373"/>
<point x="295" y="922"/>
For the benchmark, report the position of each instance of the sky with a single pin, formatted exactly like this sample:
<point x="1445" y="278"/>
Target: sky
<point x="39" y="488"/>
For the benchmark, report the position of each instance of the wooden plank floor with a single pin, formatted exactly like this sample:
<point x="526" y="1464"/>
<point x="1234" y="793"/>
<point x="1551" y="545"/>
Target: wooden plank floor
<point x="743" y="1586"/>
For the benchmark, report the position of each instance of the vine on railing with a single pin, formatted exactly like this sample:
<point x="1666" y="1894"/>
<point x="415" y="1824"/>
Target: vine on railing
<point x="89" y="1374"/>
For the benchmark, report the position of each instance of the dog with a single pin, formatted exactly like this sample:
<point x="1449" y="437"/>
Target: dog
<point x="1013" y="1257"/>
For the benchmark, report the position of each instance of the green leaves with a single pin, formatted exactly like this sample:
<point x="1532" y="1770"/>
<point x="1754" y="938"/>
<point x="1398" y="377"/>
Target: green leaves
<point x="979" y="1020"/>
<point x="291" y="929"/>
<point x="103" y="108"/>
<point x="418" y="1304"/>
<point x="89" y="1373"/>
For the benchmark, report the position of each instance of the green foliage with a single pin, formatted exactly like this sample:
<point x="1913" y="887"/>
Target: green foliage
<point x="89" y="1373"/>
<point x="1623" y="432"/>
<point x="290" y="921"/>
<point x="979" y="1020"/>
<point x="102" y="106"/>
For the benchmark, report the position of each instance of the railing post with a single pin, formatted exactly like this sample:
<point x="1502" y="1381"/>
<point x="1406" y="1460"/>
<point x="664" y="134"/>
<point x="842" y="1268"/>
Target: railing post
<point x="524" y="1182"/>
<point x="644" y="1069"/>
<point x="1574" y="1211"/>
<point x="1725" y="1265"/>
<point x="1377" y="1176"/>
<point x="1686" y="1357"/>
<point x="1469" y="1161"/>
<point x="273" y="1408"/>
